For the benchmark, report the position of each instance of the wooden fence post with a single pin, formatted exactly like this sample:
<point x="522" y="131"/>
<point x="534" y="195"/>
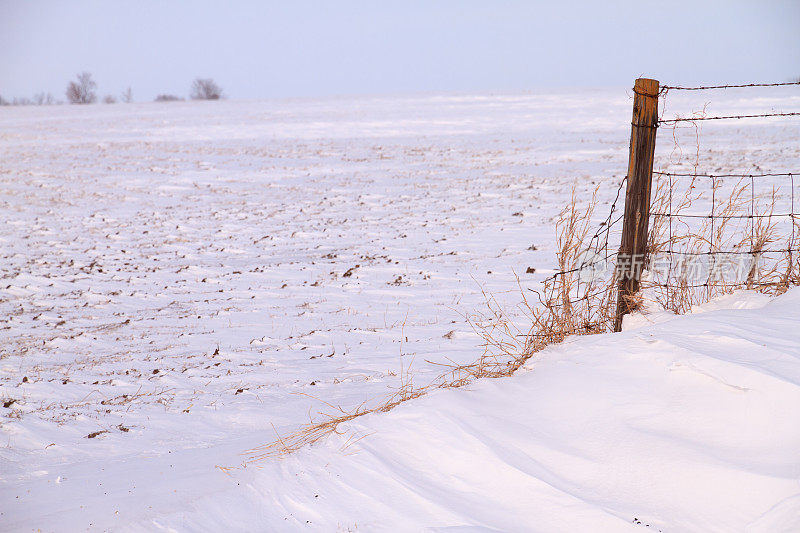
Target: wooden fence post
<point x="633" y="245"/>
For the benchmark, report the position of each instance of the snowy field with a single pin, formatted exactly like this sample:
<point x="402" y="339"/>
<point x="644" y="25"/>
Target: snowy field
<point x="179" y="282"/>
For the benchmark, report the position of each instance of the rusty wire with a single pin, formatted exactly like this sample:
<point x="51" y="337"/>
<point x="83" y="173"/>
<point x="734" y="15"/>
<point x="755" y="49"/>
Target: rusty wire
<point x="731" y="252"/>
<point x="703" y="88"/>
<point x="696" y="175"/>
<point x="695" y="119"/>
<point x="721" y="217"/>
<point x="712" y="216"/>
<point x="594" y="241"/>
<point x="727" y="283"/>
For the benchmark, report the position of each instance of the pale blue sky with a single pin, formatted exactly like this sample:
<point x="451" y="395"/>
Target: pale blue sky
<point x="308" y="48"/>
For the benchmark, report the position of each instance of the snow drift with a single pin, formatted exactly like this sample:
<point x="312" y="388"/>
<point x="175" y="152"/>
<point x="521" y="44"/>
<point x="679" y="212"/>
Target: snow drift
<point x="691" y="424"/>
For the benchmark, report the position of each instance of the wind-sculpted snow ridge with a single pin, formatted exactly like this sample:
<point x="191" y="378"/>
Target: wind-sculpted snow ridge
<point x="689" y="424"/>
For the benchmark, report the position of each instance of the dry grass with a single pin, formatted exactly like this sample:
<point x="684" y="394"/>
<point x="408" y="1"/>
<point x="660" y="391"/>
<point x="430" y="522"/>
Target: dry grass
<point x="569" y="303"/>
<point x="315" y="431"/>
<point x="566" y="305"/>
<point x="743" y="229"/>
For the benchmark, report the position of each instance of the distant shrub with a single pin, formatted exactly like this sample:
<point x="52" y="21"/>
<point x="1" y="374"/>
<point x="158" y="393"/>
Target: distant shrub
<point x="82" y="90"/>
<point x="168" y="98"/>
<point x="43" y="99"/>
<point x="205" y="89"/>
<point x="108" y="99"/>
<point x="38" y="99"/>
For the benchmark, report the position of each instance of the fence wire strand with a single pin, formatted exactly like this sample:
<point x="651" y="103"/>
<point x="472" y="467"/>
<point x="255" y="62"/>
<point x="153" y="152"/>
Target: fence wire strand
<point x="706" y="87"/>
<point x="697" y="175"/>
<point x="728" y="117"/>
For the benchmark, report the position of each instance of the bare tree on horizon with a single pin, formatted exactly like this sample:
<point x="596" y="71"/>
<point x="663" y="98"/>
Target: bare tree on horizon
<point x="127" y="96"/>
<point x="82" y="91"/>
<point x="205" y="89"/>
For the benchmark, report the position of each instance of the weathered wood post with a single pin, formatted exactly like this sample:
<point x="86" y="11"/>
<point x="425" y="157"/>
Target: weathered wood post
<point x="633" y="245"/>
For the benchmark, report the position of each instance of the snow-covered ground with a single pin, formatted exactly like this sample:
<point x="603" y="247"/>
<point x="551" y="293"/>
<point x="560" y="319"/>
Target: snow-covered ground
<point x="688" y="425"/>
<point x="177" y="280"/>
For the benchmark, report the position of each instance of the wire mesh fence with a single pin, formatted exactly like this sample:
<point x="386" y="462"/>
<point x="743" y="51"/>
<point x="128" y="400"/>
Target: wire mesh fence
<point x="709" y="233"/>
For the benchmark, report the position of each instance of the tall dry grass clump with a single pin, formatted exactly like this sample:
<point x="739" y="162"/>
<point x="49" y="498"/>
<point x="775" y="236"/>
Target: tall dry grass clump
<point x="713" y="241"/>
<point x="568" y="303"/>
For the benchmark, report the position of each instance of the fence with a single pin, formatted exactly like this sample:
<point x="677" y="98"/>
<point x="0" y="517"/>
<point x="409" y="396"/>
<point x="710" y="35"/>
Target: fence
<point x="686" y="235"/>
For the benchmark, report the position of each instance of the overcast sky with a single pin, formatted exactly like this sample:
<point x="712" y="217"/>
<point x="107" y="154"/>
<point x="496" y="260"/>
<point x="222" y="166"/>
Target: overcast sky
<point x="305" y="48"/>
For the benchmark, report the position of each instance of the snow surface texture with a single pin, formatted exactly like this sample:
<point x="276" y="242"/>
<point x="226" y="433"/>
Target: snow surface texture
<point x="689" y="425"/>
<point x="173" y="275"/>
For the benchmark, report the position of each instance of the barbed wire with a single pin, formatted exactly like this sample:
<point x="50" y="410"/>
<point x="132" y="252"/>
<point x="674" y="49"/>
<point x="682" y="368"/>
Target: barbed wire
<point x="695" y="119"/>
<point x="731" y="252"/>
<point x="609" y="223"/>
<point x="697" y="175"/>
<point x="581" y="267"/>
<point x="583" y="327"/>
<point x="712" y="217"/>
<point x="723" y="217"/>
<point x="673" y="282"/>
<point x="594" y="241"/>
<point x="602" y="290"/>
<point x="725" y="283"/>
<point x="706" y="87"/>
